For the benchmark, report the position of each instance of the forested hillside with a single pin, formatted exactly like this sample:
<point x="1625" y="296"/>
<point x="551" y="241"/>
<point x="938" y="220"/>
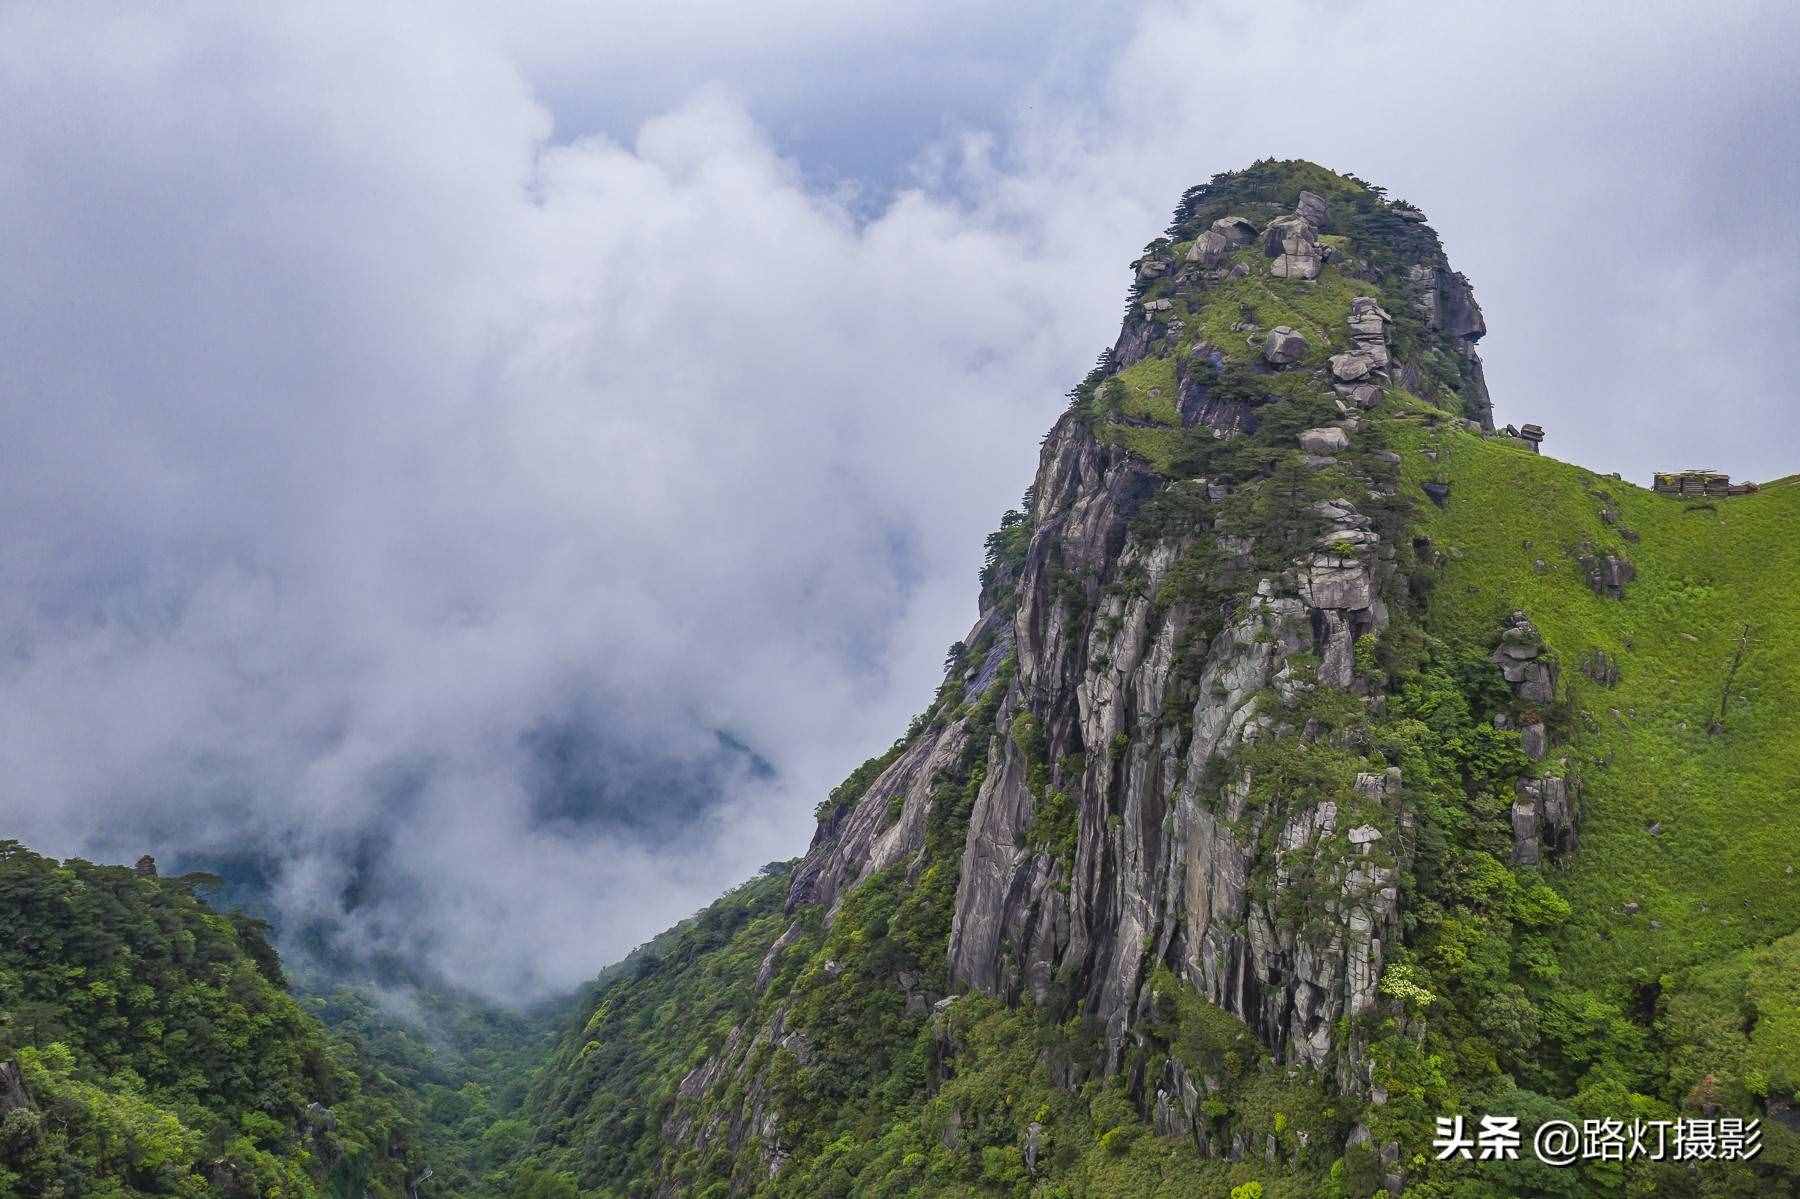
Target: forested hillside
<point x="148" y="1045"/>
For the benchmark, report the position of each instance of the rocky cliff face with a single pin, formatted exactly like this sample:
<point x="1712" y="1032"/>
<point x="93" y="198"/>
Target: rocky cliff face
<point x="1170" y="862"/>
<point x="1279" y="910"/>
<point x="1159" y="641"/>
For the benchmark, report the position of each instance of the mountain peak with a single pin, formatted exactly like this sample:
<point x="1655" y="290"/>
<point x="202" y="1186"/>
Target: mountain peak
<point x="1237" y="813"/>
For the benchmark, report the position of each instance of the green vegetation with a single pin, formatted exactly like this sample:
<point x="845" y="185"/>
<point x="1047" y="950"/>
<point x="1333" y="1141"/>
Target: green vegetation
<point x="609" y="1086"/>
<point x="1147" y="391"/>
<point x="468" y="1066"/>
<point x="829" y="1045"/>
<point x="1315" y="309"/>
<point x="1691" y="826"/>
<point x="163" y="1056"/>
<point x="1668" y="982"/>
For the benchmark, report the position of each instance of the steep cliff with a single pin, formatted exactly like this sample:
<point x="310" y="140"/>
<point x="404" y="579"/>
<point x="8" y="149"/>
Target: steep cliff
<point x="1155" y="649"/>
<point x="1220" y="855"/>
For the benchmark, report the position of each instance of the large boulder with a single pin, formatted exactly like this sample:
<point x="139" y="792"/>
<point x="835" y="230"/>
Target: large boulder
<point x="1324" y="441"/>
<point x="1348" y="368"/>
<point x="1286" y="234"/>
<point x="1235" y="229"/>
<point x="1283" y="346"/>
<point x="1210" y="250"/>
<point x="1150" y="267"/>
<point x="1293" y="242"/>
<point x="1368" y="319"/>
<point x="1313" y="208"/>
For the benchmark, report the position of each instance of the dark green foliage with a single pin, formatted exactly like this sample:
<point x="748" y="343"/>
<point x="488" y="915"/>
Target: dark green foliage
<point x="466" y="1063"/>
<point x="1270" y="187"/>
<point x="163" y="1054"/>
<point x="1082" y="394"/>
<point x="1006" y="548"/>
<point x="597" y="1110"/>
<point x="845" y="794"/>
<point x="1055" y="826"/>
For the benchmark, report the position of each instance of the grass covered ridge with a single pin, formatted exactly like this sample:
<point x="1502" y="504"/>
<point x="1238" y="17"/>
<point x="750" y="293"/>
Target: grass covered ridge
<point x="1718" y="874"/>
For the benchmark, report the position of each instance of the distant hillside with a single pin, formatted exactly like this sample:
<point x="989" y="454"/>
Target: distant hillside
<point x="148" y="1046"/>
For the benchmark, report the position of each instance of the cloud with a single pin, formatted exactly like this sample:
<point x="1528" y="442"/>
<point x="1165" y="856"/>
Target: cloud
<point x="380" y="454"/>
<point x="503" y="494"/>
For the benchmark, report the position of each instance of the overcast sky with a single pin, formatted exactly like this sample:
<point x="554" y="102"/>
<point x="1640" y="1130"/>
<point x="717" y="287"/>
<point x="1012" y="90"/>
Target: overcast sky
<point x="498" y="471"/>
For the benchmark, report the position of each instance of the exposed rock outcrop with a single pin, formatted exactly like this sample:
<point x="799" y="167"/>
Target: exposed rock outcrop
<point x="1151" y="267"/>
<point x="1212" y="248"/>
<point x="1328" y="440"/>
<point x="13" y="1095"/>
<point x="754" y="1115"/>
<point x="1034" y="1135"/>
<point x="1606" y="573"/>
<point x="1198" y="402"/>
<point x="1601" y="667"/>
<point x="1157" y="866"/>
<point x="1447" y="302"/>
<point x="1543" y="816"/>
<point x="1525" y="663"/>
<point x="1544" y="810"/>
<point x="1312" y="206"/>
<point x="1368" y="355"/>
<point x="1235" y="229"/>
<point x="1283" y="346"/>
<point x="1293" y="241"/>
<point x="858" y="841"/>
<point x="765" y="972"/>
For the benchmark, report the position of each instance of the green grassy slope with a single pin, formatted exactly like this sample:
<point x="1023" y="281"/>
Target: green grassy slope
<point x="1718" y="874"/>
